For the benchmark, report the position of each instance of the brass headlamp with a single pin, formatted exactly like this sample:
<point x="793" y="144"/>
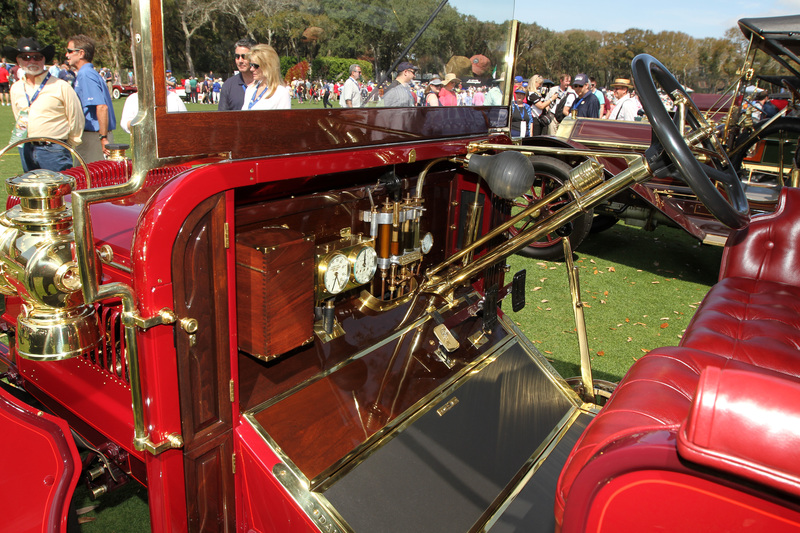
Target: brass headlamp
<point x="37" y="263"/>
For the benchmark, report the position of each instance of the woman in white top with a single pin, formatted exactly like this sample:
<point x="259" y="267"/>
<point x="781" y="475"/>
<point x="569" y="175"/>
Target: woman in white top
<point x="268" y="91"/>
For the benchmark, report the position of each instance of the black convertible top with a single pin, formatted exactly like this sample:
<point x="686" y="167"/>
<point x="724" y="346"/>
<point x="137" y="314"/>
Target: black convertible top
<point x="777" y="36"/>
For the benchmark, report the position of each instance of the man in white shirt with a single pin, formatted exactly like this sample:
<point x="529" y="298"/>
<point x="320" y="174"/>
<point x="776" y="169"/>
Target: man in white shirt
<point x="351" y="91"/>
<point x="627" y="106"/>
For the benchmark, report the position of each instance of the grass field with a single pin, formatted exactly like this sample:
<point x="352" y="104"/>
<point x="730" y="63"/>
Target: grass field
<point x="639" y="289"/>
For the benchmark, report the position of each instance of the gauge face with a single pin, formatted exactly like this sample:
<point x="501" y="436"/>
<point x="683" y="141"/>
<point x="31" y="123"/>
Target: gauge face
<point x="426" y="243"/>
<point x="337" y="273"/>
<point x="365" y="264"/>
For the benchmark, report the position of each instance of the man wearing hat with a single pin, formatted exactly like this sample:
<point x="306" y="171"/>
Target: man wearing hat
<point x="586" y="104"/>
<point x="447" y="96"/>
<point x="399" y="93"/>
<point x="98" y="108"/>
<point x="43" y="106"/>
<point x="627" y="106"/>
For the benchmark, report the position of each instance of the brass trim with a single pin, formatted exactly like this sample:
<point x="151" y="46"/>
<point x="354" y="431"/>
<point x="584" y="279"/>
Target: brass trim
<point x="360" y="453"/>
<point x="376" y="304"/>
<point x="529" y="468"/>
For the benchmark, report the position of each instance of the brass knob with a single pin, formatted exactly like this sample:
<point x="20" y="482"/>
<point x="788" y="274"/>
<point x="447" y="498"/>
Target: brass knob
<point x="189" y="325"/>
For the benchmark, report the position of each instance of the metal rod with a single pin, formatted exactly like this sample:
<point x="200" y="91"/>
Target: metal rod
<point x="580" y="323"/>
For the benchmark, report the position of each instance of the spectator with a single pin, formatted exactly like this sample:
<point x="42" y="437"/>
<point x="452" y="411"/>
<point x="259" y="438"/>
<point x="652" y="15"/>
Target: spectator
<point x="447" y="94"/>
<point x="172" y="81"/>
<point x="231" y="95"/>
<point x="4" y="84"/>
<point x="761" y="107"/>
<point x="564" y="97"/>
<point x="98" y="108"/>
<point x="586" y="105"/>
<point x="600" y="96"/>
<point x="43" y="106"/>
<point x="627" y="106"/>
<point x="432" y="94"/>
<point x="539" y="105"/>
<point x="215" y="89"/>
<point x="521" y="116"/>
<point x="494" y="96"/>
<point x="267" y="90"/>
<point x="399" y="94"/>
<point x="351" y="92"/>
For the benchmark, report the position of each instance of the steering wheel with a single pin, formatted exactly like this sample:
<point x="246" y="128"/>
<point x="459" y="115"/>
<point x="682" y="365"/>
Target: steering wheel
<point x="732" y="211"/>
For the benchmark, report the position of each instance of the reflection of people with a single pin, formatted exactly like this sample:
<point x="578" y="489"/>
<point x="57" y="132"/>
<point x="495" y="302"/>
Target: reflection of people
<point x="131" y="108"/>
<point x="98" y="108"/>
<point x="399" y="94"/>
<point x="43" y="106"/>
<point x="447" y="95"/>
<point x="351" y="92"/>
<point x="761" y="107"/>
<point x="627" y="107"/>
<point x="494" y="96"/>
<point x="432" y="97"/>
<point x="231" y="95"/>
<point x="267" y="90"/>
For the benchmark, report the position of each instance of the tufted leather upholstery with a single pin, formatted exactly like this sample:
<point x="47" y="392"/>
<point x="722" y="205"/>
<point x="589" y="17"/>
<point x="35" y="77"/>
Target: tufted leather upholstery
<point x="748" y="324"/>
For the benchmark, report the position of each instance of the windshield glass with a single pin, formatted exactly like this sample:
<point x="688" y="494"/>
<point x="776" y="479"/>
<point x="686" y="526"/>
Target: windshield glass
<point x="319" y="45"/>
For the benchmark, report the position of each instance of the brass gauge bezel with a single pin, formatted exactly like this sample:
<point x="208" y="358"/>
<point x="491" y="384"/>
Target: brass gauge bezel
<point x="334" y="263"/>
<point x="371" y="257"/>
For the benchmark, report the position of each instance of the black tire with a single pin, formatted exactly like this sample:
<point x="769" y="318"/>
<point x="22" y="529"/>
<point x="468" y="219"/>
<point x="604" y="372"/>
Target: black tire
<point x="787" y="125"/>
<point x="551" y="173"/>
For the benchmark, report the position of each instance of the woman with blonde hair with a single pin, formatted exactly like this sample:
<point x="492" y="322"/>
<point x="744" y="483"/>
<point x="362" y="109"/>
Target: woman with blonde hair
<point x="539" y="105"/>
<point x="268" y="91"/>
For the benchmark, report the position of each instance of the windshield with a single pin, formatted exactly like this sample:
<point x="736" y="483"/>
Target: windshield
<point x="317" y="44"/>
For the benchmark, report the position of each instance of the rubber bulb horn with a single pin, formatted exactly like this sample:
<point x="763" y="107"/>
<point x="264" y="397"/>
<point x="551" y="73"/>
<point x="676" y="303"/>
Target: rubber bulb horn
<point x="508" y="174"/>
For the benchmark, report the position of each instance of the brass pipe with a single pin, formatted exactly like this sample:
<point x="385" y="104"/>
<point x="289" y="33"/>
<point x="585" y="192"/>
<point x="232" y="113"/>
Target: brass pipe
<point x="580" y="323"/>
<point x="637" y="172"/>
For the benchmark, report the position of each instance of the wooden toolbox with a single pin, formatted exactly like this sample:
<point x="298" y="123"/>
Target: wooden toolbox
<point x="274" y="291"/>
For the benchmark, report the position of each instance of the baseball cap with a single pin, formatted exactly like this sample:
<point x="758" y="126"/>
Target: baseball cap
<point x="405" y="65"/>
<point x="435" y="81"/>
<point x="518" y="79"/>
<point x="580" y="79"/>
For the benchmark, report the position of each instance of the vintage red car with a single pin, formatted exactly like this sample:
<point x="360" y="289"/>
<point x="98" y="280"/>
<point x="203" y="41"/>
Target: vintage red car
<point x="293" y="325"/>
<point x="763" y="152"/>
<point x="120" y="90"/>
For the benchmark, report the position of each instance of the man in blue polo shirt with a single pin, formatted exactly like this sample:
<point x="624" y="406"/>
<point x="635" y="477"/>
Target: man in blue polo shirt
<point x="95" y="99"/>
<point x="586" y="103"/>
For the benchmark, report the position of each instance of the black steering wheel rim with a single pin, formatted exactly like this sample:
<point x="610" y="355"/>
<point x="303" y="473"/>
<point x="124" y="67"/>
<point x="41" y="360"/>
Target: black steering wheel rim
<point x="733" y="211"/>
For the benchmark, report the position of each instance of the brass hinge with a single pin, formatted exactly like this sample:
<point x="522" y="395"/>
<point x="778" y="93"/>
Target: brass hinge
<point x="226" y="235"/>
<point x="230" y="389"/>
<point x="233" y="462"/>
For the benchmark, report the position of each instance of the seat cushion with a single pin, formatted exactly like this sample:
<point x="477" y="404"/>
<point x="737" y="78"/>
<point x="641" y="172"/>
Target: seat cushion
<point x="753" y="321"/>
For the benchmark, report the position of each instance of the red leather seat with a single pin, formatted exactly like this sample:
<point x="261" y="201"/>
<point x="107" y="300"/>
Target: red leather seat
<point x="749" y="323"/>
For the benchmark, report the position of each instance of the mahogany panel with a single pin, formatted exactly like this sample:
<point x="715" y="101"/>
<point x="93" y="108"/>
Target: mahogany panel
<point x="209" y="471"/>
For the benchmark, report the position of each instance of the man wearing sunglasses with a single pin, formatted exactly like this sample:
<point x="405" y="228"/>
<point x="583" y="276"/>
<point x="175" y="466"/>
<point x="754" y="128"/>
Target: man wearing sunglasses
<point x="351" y="90"/>
<point x="98" y="108"/>
<point x="586" y="105"/>
<point x="231" y="96"/>
<point x="43" y="106"/>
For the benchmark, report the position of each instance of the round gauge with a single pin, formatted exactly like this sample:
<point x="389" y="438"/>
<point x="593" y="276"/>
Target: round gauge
<point x="426" y="243"/>
<point x="365" y="264"/>
<point x="337" y="273"/>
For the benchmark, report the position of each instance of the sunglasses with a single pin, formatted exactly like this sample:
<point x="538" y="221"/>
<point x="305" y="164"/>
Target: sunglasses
<point x="240" y="56"/>
<point x="254" y="65"/>
<point x="30" y="57"/>
<point x="72" y="50"/>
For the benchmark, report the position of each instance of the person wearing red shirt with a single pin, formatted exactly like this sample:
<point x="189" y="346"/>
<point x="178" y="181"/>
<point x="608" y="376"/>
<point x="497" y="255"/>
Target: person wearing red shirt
<point x="447" y="95"/>
<point x="5" y="97"/>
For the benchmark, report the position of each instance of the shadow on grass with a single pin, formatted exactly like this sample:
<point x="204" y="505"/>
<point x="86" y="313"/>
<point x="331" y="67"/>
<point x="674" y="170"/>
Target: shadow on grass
<point x="676" y="251"/>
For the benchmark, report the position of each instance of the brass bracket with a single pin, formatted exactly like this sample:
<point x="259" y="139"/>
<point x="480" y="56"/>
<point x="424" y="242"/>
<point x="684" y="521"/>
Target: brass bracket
<point x="164" y="317"/>
<point x="173" y="440"/>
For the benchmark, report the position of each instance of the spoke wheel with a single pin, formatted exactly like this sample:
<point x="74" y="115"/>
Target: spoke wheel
<point x="551" y="173"/>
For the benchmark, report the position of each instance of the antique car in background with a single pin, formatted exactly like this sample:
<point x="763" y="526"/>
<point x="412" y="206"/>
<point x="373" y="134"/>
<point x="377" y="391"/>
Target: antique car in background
<point x="763" y="152"/>
<point x="119" y="90"/>
<point x="294" y="324"/>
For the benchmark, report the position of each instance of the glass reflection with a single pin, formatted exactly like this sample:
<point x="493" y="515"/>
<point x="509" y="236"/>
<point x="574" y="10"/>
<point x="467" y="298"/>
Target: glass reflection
<point x="440" y="52"/>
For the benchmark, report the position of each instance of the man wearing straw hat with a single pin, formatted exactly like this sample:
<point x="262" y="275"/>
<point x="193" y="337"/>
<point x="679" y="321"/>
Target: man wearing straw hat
<point x="627" y="107"/>
<point x="43" y="106"/>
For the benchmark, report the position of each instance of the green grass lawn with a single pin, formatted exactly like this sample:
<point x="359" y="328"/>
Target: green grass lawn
<point x="640" y="289"/>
